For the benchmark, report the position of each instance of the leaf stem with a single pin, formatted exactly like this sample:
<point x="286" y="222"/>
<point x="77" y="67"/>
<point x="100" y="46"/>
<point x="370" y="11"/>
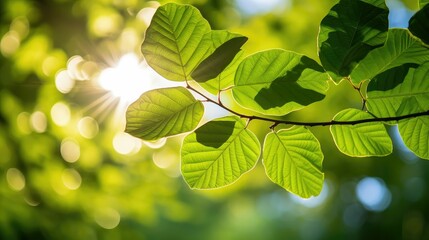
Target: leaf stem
<point x="359" y="89"/>
<point x="308" y="124"/>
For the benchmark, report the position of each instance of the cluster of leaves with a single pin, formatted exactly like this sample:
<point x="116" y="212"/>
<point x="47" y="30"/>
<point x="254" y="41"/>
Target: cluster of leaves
<point x="388" y="67"/>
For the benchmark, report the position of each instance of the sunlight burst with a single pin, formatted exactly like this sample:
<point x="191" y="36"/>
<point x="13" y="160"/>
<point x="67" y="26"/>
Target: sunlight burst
<point x="128" y="80"/>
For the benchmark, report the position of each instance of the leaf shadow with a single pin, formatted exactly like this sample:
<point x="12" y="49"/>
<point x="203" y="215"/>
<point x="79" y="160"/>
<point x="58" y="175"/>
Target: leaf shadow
<point x="215" y="133"/>
<point x="286" y="88"/>
<point x="373" y="17"/>
<point x="214" y="64"/>
<point x="418" y="24"/>
<point x="391" y="78"/>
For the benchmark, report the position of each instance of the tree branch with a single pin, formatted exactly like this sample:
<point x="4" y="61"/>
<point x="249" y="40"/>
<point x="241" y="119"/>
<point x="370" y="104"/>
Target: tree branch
<point x="309" y="124"/>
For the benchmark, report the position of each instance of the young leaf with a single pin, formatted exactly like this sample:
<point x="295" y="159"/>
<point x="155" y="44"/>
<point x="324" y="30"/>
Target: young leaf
<point x="415" y="131"/>
<point x="400" y="48"/>
<point x="293" y="159"/>
<point x="349" y="32"/>
<point x="218" y="153"/>
<point x="419" y="24"/>
<point x="163" y="112"/>
<point x="172" y="45"/>
<point x="387" y="90"/>
<point x="225" y="46"/>
<point x="360" y="140"/>
<point x="276" y="82"/>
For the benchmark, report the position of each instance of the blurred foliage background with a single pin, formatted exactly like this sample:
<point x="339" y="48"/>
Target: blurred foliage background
<point x="68" y="69"/>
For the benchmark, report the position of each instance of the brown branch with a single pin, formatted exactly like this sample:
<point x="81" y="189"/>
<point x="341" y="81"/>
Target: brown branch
<point x="310" y="124"/>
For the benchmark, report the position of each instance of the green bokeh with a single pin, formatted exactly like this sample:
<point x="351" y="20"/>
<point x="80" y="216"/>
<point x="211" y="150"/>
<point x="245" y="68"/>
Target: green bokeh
<point x="64" y="178"/>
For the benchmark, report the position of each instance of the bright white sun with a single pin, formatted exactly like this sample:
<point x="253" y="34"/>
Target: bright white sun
<point x="128" y="80"/>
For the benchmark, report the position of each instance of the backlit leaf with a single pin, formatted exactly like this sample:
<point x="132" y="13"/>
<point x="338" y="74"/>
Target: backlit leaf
<point x="163" y="112"/>
<point x="173" y="45"/>
<point x="387" y="90"/>
<point x="415" y="134"/>
<point x="360" y="140"/>
<point x="415" y="131"/>
<point x="293" y="159"/>
<point x="400" y="48"/>
<point x="276" y="82"/>
<point x="218" y="153"/>
<point x="349" y="32"/>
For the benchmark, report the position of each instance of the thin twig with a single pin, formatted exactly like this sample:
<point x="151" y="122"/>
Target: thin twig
<point x="310" y="124"/>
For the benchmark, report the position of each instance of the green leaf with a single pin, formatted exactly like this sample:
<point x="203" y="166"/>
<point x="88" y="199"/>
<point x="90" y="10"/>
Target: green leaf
<point x="415" y="131"/>
<point x="400" y="48"/>
<point x="293" y="159"/>
<point x="225" y="79"/>
<point x="349" y="32"/>
<point x="276" y="82"/>
<point x="386" y="92"/>
<point x="163" y="112"/>
<point x="225" y="45"/>
<point x="360" y="140"/>
<point x="218" y="153"/>
<point x="415" y="134"/>
<point x="173" y="43"/>
<point x="419" y="24"/>
<point x="409" y="105"/>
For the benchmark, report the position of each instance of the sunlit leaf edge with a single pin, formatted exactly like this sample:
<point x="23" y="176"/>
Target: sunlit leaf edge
<point x="134" y="127"/>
